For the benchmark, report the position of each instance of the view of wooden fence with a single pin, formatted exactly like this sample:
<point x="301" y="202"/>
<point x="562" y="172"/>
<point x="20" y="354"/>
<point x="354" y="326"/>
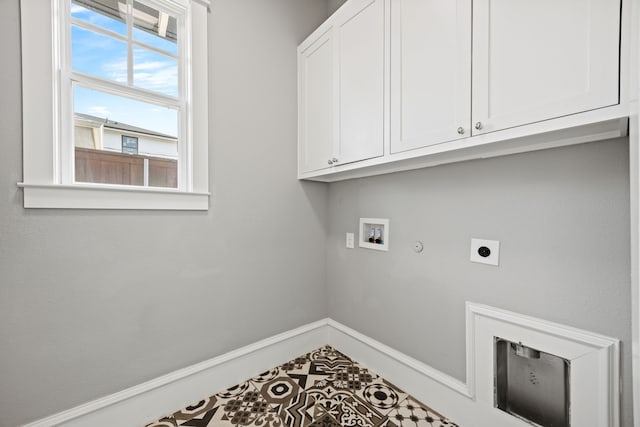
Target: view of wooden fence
<point x="107" y="167"/>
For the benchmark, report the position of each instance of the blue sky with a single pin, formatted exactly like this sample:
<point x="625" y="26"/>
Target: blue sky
<point x="106" y="57"/>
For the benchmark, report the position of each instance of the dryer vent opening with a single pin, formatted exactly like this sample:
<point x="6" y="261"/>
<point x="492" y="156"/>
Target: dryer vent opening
<point x="531" y="385"/>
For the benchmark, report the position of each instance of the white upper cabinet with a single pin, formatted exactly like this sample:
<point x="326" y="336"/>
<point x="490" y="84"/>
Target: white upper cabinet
<point x="539" y="59"/>
<point x="430" y="72"/>
<point x="390" y="85"/>
<point x="316" y="103"/>
<point x="341" y="88"/>
<point x="359" y="30"/>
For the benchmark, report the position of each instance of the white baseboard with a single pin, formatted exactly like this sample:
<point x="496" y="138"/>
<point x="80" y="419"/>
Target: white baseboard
<point x="451" y="397"/>
<point x="443" y="393"/>
<point x="141" y="404"/>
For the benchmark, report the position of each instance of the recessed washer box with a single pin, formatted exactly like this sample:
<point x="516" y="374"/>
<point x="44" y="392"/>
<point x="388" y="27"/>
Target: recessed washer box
<point x="374" y="234"/>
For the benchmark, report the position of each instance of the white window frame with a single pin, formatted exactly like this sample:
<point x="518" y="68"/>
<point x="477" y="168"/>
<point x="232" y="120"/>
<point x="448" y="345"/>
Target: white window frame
<point x="47" y="119"/>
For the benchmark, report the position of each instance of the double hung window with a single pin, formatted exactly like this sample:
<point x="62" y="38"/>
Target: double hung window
<point x="117" y="98"/>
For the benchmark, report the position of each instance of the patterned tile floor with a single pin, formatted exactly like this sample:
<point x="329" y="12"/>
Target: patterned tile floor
<point x="323" y="388"/>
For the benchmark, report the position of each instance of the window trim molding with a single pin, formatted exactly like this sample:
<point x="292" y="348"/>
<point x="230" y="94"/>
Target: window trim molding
<point x="103" y="196"/>
<point x="42" y="107"/>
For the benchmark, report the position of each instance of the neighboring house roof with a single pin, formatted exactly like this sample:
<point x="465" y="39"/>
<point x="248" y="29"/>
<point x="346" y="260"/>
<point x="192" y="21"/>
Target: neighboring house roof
<point x="122" y="126"/>
<point x="147" y="18"/>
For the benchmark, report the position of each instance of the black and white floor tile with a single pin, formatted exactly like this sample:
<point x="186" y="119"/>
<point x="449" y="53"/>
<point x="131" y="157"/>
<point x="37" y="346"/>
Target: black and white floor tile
<point x="323" y="388"/>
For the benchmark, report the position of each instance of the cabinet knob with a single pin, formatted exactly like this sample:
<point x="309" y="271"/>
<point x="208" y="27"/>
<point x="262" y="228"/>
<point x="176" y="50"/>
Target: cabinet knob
<point x="479" y="125"/>
<point x="334" y="160"/>
<point x="330" y="161"/>
<point x="461" y="130"/>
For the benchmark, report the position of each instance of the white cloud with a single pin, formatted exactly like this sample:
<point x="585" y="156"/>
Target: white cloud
<point x="77" y="9"/>
<point x="99" y="110"/>
<point x="151" y="65"/>
<point x="158" y="76"/>
<point x="117" y="70"/>
<point x="100" y="19"/>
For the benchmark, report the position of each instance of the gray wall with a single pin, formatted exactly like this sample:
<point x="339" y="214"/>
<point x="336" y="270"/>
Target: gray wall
<point x="92" y="302"/>
<point x="333" y="5"/>
<point x="562" y="219"/>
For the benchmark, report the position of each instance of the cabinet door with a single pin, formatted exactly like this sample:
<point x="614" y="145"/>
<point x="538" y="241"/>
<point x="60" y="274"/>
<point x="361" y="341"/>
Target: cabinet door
<point x="430" y="72"/>
<point x="316" y="103"/>
<point x="538" y="59"/>
<point x="359" y="30"/>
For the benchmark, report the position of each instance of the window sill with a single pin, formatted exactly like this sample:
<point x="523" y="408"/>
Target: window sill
<point x="54" y="196"/>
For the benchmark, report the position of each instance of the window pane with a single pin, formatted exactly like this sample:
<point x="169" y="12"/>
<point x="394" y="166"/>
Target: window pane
<point x="129" y="144"/>
<point x="155" y="41"/>
<point x="155" y="27"/>
<point x="122" y="141"/>
<point x="107" y="14"/>
<point x="98" y="55"/>
<point x="155" y="72"/>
